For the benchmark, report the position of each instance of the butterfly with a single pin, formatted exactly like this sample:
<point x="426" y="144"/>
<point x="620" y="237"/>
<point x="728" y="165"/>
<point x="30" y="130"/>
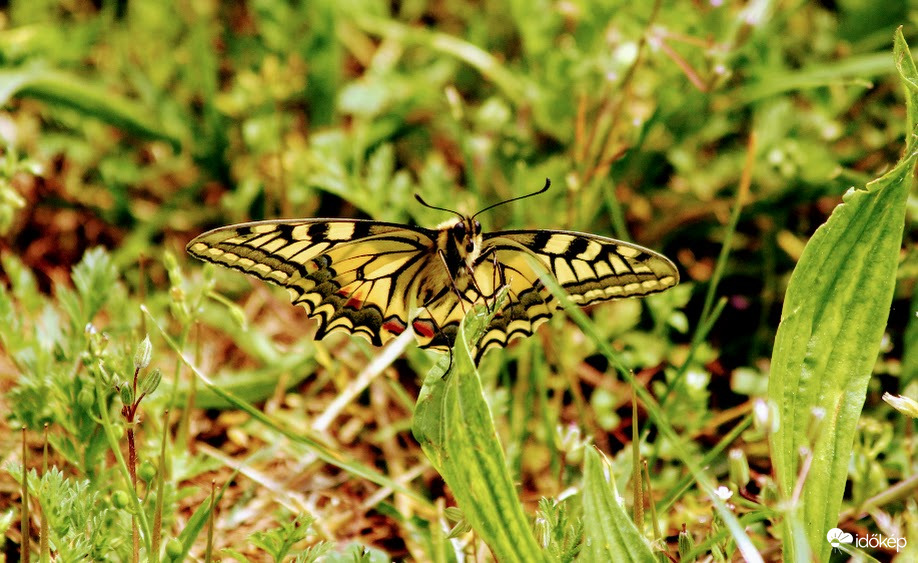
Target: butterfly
<point x="376" y="279"/>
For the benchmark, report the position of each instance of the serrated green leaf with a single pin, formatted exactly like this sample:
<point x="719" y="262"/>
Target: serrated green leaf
<point x="610" y="535"/>
<point x="835" y="312"/>
<point x="453" y="424"/>
<point x="94" y="278"/>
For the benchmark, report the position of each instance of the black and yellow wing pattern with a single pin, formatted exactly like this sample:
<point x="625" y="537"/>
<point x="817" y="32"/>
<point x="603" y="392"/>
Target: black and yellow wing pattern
<point x="354" y="276"/>
<point x="589" y="267"/>
<point x="375" y="279"/>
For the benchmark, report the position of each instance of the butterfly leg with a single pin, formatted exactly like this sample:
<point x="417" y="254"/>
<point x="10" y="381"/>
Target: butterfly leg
<point x="500" y="275"/>
<point x="484" y="256"/>
<point x="479" y="291"/>
<point x="452" y="282"/>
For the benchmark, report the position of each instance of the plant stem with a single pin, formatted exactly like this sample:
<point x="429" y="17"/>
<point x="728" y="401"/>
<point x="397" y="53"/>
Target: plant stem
<point x="132" y="467"/>
<point x="24" y="523"/>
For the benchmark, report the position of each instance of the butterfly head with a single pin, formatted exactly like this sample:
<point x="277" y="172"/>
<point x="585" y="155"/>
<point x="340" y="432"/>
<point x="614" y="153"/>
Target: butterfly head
<point x="461" y="237"/>
<point x="460" y="240"/>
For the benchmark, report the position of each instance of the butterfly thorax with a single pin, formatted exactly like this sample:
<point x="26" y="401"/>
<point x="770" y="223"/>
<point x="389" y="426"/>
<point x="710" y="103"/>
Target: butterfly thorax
<point x="458" y="248"/>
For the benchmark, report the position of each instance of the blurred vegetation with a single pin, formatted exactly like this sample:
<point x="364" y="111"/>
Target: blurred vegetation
<point x="127" y="128"/>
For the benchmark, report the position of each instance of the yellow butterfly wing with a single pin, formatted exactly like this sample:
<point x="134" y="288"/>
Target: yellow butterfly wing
<point x="590" y="268"/>
<point x="353" y="276"/>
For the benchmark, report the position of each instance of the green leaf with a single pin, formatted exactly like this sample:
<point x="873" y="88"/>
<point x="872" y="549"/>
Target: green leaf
<point x="835" y="312"/>
<point x="610" y="533"/>
<point x="453" y="424"/>
<point x="94" y="277"/>
<point x="91" y="99"/>
<point x="198" y="520"/>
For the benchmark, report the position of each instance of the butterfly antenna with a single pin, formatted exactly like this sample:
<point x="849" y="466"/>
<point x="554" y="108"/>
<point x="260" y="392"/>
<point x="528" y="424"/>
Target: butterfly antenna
<point x="542" y="191"/>
<point x="425" y="204"/>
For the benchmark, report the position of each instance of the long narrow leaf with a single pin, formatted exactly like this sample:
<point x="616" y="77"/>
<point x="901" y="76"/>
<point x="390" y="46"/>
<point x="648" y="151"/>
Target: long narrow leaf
<point x="836" y="308"/>
<point x="453" y="423"/>
<point x="90" y="99"/>
<point x="610" y="533"/>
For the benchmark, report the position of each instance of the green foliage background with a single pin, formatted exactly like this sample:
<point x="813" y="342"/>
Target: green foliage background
<point x="129" y="127"/>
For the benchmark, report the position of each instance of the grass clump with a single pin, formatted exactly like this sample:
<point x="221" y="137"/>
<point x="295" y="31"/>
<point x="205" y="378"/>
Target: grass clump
<point x="173" y="411"/>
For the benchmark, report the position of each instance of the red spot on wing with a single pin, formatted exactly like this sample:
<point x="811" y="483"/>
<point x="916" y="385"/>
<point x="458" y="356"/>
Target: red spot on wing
<point x="394" y="326"/>
<point x="424" y="328"/>
<point x="354" y="302"/>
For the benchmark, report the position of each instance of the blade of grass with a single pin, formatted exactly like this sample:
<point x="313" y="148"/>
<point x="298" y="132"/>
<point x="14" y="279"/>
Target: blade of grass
<point x="201" y="517"/>
<point x="711" y="311"/>
<point x="25" y="522"/>
<point x="656" y="414"/>
<point x="71" y="91"/>
<point x="321" y="451"/>
<point x="676" y="490"/>
<point x="849" y="70"/>
<point x="514" y="86"/>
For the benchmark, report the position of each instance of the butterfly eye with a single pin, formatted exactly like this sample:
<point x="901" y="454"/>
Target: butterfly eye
<point x="476" y="228"/>
<point x="459" y="228"/>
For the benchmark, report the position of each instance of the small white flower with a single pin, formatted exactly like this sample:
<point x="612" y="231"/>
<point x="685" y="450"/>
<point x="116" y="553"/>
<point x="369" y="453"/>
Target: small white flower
<point x="696" y="379"/>
<point x="723" y="493"/>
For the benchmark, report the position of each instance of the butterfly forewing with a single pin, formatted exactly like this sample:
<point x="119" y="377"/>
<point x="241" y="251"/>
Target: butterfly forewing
<point x="590" y="268"/>
<point x="350" y="275"/>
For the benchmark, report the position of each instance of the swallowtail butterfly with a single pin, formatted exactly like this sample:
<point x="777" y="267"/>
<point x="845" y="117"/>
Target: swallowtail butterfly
<point x="377" y="279"/>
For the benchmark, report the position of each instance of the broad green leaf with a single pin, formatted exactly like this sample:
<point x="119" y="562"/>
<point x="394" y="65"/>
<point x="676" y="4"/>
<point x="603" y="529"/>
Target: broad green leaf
<point x="835" y="311"/>
<point x="453" y="424"/>
<point x="610" y="533"/>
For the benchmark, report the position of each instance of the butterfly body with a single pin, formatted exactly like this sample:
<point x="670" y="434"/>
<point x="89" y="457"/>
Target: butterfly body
<point x="377" y="279"/>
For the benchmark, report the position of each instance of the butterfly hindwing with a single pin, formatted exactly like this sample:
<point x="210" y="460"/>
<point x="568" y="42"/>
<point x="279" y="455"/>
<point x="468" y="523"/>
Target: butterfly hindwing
<point x="350" y="275"/>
